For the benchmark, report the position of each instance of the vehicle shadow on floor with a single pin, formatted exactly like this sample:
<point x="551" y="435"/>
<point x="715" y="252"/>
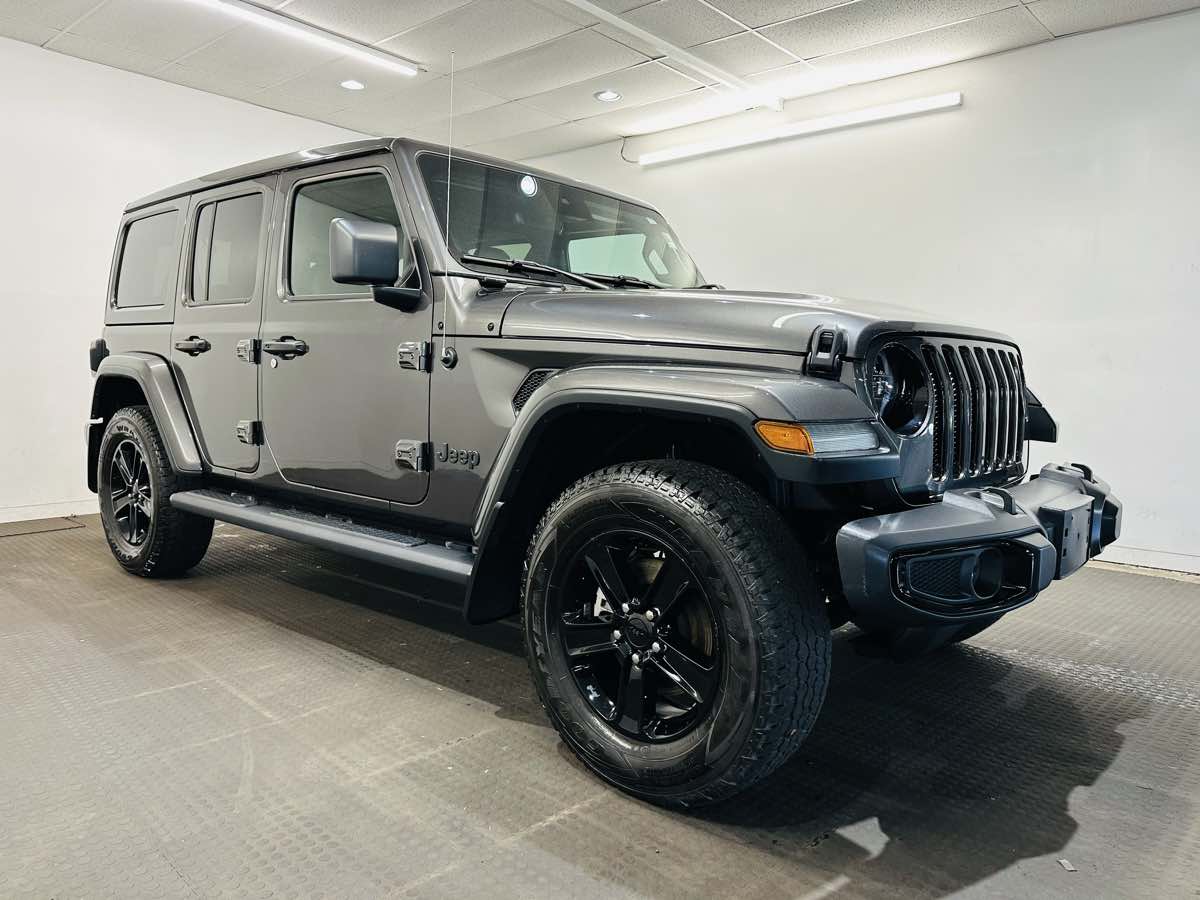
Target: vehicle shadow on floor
<point x="933" y="774"/>
<point x="929" y="775"/>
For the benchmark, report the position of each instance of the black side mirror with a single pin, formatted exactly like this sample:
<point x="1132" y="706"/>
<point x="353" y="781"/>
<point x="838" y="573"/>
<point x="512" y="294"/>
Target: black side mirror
<point x="362" y="252"/>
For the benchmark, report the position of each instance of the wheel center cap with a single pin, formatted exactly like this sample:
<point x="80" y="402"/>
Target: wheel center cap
<point x="639" y="631"/>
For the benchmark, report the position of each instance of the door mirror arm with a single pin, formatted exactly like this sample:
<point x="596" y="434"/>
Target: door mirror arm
<point x="405" y="299"/>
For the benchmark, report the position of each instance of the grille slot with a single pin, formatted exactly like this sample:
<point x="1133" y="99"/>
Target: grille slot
<point x="978" y="410"/>
<point x="534" y="380"/>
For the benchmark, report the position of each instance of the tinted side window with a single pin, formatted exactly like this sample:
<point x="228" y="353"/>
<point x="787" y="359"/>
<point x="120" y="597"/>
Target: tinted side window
<point x="149" y="257"/>
<point x="225" y="263"/>
<point x="316" y="205"/>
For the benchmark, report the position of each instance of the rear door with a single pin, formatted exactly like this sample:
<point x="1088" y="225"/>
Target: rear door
<point x="335" y="411"/>
<point x="218" y="319"/>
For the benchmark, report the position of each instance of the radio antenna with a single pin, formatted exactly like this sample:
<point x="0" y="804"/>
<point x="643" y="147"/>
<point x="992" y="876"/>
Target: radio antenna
<point x="449" y="147"/>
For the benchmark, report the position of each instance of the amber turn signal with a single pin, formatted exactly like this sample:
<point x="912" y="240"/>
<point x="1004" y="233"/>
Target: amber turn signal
<point x="785" y="436"/>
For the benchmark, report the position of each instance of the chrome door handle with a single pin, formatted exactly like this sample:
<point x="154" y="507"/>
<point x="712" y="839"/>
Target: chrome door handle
<point x="286" y="347"/>
<point x="193" y="346"/>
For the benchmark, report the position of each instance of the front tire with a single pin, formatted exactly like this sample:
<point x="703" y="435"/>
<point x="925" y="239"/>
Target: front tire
<point x="673" y="630"/>
<point x="135" y="480"/>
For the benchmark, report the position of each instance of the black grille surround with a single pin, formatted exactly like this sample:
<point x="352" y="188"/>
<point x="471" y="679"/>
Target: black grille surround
<point x="975" y="431"/>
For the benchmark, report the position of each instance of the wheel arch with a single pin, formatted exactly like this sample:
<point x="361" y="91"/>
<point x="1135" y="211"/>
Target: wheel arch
<point x="134" y="379"/>
<point x="585" y="418"/>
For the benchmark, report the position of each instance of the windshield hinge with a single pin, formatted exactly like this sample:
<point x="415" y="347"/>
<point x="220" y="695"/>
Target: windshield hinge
<point x="826" y="348"/>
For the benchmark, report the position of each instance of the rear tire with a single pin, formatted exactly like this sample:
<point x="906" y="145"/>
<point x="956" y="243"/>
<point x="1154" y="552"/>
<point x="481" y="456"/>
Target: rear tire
<point x="135" y="480"/>
<point x="715" y="675"/>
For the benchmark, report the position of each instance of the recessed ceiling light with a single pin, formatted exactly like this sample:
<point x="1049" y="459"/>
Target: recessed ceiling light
<point x="351" y="84"/>
<point x="608" y="95"/>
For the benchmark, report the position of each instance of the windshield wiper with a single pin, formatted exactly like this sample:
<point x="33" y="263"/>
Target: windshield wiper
<point x="624" y="280"/>
<point x="525" y="265"/>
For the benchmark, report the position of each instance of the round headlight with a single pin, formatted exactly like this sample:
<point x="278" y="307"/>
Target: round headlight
<point x="899" y="389"/>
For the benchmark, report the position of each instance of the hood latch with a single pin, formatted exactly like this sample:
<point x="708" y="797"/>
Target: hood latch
<point x="826" y="348"/>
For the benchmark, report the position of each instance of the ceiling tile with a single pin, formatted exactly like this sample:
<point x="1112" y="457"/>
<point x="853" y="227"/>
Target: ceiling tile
<point x="568" y="59"/>
<point x="637" y="86"/>
<point x="683" y="23"/>
<point x="398" y="112"/>
<point x="621" y="36"/>
<point x="556" y="139"/>
<point x="168" y="30"/>
<point x="621" y="6"/>
<point x="797" y="80"/>
<point x="756" y="13"/>
<point x="699" y="105"/>
<point x="30" y="32"/>
<point x="258" y="56"/>
<point x="227" y="83"/>
<point x="871" y="21"/>
<point x="369" y="20"/>
<point x="323" y="84"/>
<point x="743" y="54"/>
<point x="496" y="122"/>
<point x="1069" y="16"/>
<point x="54" y="13"/>
<point x="478" y="32"/>
<point x="1003" y="30"/>
<point x="107" y="54"/>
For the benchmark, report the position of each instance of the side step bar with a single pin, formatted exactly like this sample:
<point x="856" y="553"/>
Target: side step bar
<point x="398" y="549"/>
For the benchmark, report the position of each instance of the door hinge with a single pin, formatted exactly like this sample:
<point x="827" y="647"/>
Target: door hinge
<point x="249" y="350"/>
<point x="413" y="455"/>
<point x="415" y="355"/>
<point x="249" y="432"/>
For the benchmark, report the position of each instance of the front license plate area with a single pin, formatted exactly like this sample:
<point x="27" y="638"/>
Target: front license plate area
<point x="1068" y="523"/>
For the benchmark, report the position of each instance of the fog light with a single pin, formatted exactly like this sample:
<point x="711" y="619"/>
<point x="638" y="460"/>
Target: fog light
<point x="984" y="574"/>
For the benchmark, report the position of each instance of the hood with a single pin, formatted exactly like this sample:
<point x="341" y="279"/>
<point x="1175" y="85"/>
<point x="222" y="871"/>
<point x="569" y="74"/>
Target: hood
<point x="731" y="320"/>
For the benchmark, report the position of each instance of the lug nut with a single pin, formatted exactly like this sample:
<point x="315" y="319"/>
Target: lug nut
<point x="637" y="660"/>
<point x="624" y="607"/>
<point x="616" y="635"/>
<point x="655" y="647"/>
<point x="650" y="615"/>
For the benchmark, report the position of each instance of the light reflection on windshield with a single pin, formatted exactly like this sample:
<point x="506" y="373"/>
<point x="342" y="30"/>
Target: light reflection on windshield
<point x="507" y="215"/>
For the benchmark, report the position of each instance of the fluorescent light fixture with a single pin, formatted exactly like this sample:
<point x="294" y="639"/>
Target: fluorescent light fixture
<point x="608" y="95"/>
<point x="806" y="127"/>
<point x="352" y="84"/>
<point x="249" y="12"/>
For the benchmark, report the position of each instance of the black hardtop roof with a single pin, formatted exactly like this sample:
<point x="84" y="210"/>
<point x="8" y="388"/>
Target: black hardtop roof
<point x="340" y="151"/>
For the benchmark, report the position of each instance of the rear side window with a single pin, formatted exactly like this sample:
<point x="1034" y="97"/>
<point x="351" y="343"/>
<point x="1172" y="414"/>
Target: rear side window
<point x="317" y="204"/>
<point x="225" y="262"/>
<point x="149" y="258"/>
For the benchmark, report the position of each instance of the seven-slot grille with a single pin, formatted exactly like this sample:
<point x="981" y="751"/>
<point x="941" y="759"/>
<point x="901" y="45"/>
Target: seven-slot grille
<point x="977" y="400"/>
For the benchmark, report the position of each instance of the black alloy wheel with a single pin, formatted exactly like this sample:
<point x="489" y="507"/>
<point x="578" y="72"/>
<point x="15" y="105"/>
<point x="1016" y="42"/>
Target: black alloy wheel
<point x="673" y="630"/>
<point x="135" y="480"/>
<point x="639" y="635"/>
<point x="131" y="493"/>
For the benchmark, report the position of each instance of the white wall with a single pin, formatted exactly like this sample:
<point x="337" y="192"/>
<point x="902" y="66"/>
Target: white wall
<point x="77" y="142"/>
<point x="1061" y="204"/>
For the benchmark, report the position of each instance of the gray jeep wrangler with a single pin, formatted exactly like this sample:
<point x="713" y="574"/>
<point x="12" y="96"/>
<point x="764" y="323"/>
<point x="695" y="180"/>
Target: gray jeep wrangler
<point x="520" y="388"/>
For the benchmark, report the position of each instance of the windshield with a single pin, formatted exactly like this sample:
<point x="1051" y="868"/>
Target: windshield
<point x="505" y="215"/>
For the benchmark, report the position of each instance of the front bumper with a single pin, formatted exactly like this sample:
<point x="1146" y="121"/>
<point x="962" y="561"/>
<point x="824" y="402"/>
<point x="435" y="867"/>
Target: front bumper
<point x="976" y="554"/>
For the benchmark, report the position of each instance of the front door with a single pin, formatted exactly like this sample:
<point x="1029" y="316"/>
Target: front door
<point x="220" y="306"/>
<point x="335" y="399"/>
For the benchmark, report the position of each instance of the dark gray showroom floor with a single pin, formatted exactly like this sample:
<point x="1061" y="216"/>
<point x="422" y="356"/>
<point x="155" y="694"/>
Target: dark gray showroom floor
<point x="285" y="722"/>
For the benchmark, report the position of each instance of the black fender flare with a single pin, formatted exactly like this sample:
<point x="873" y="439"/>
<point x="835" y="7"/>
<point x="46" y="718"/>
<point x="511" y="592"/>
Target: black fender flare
<point x="734" y="397"/>
<point x="153" y="375"/>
